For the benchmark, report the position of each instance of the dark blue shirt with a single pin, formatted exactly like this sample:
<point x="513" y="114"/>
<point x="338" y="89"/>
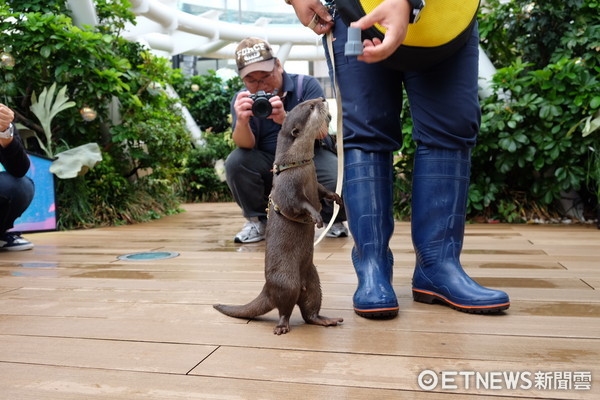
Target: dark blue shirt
<point x="13" y="157"/>
<point x="266" y="130"/>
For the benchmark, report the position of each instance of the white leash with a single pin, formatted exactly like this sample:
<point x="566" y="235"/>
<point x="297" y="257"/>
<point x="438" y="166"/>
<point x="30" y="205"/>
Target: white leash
<point x="340" y="140"/>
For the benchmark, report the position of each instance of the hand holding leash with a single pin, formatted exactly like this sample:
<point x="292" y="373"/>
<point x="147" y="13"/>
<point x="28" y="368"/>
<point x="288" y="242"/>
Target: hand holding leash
<point x="313" y="14"/>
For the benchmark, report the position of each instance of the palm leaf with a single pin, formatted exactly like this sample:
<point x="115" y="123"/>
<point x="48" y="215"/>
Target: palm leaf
<point x="46" y="108"/>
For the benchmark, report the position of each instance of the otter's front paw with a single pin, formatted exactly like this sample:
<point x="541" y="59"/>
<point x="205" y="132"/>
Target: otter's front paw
<point x="318" y="220"/>
<point x="338" y="199"/>
<point x="334" y="197"/>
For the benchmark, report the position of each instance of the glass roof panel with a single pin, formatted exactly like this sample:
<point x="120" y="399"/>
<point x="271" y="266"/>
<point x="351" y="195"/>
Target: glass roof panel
<point x="244" y="12"/>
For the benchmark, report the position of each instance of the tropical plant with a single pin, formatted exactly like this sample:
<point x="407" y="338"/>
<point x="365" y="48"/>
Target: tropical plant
<point x="548" y="83"/>
<point x="139" y="128"/>
<point x="208" y="98"/>
<point x="591" y="125"/>
<point x="202" y="181"/>
<point x="69" y="163"/>
<point x="45" y="109"/>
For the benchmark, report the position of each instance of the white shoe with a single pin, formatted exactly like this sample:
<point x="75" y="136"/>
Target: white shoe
<point x="253" y="231"/>
<point x="337" y="230"/>
<point x="13" y="241"/>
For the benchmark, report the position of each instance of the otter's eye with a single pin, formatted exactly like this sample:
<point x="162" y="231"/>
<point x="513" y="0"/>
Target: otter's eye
<point x="312" y="106"/>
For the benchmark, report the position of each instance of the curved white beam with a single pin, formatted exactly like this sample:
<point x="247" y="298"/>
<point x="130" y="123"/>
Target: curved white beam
<point x="171" y="21"/>
<point x="155" y="11"/>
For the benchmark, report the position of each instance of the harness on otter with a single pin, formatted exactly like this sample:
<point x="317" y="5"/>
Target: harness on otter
<point x="277" y="169"/>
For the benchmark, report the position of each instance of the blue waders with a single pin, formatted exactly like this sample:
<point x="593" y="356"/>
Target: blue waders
<point x="439" y="201"/>
<point x="368" y="184"/>
<point x="446" y="114"/>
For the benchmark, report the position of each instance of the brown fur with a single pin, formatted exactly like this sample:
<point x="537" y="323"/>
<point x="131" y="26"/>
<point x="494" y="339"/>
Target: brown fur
<point x="291" y="277"/>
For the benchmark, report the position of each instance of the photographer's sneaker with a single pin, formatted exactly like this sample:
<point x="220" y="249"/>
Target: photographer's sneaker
<point x="337" y="230"/>
<point x="253" y="231"/>
<point x="12" y="241"/>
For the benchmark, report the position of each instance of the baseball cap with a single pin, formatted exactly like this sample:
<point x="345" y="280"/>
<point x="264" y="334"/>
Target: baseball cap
<point x="254" y="54"/>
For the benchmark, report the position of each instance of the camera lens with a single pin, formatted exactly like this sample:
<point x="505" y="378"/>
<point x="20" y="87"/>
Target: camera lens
<point x="262" y="108"/>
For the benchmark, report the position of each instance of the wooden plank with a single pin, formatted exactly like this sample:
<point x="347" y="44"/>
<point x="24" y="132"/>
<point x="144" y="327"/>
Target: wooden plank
<point x="207" y="292"/>
<point x="106" y="303"/>
<point x="35" y="382"/>
<point x="138" y="356"/>
<point x="388" y="372"/>
<point x="202" y="327"/>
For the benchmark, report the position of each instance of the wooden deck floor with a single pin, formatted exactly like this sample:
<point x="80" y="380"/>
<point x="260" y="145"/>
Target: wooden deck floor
<point x="78" y="323"/>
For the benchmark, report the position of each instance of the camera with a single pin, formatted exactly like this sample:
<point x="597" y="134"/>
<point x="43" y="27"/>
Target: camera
<point x="261" y="108"/>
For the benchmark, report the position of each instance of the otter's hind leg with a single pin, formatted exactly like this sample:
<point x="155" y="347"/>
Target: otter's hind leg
<point x="283" y="326"/>
<point x="310" y="300"/>
<point x="285" y="312"/>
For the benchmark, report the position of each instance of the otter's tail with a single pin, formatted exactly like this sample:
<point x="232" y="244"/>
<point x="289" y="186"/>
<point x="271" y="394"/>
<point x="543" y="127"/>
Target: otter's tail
<point x="259" y="306"/>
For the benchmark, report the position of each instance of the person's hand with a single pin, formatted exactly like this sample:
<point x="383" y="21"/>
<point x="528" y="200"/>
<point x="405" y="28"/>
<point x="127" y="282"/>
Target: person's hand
<point x="243" y="107"/>
<point x="392" y="15"/>
<point x="6" y="117"/>
<point x="278" y="114"/>
<point x="314" y="15"/>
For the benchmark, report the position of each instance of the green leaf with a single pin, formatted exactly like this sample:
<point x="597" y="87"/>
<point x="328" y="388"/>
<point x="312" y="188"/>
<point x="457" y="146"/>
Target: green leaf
<point x="591" y="125"/>
<point x="46" y="108"/>
<point x="46" y="51"/>
<point x="76" y="161"/>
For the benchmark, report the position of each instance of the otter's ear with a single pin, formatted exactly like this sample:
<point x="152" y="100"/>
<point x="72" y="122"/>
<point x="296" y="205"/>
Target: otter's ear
<point x="295" y="132"/>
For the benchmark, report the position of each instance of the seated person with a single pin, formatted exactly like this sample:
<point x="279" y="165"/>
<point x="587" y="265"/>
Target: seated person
<point x="16" y="189"/>
<point x="249" y="167"/>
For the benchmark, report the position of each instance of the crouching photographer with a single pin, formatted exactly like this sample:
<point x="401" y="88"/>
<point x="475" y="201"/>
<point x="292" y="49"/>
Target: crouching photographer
<point x="257" y="114"/>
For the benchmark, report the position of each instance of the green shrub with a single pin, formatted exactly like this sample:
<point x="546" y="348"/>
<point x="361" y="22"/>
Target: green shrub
<point x="200" y="181"/>
<point x="142" y="143"/>
<point x="525" y="159"/>
<point x="208" y="98"/>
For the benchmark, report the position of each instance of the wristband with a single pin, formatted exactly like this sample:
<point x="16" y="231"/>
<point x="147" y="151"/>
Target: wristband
<point x="8" y="133"/>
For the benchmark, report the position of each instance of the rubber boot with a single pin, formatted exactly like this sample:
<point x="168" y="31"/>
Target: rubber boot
<point x="439" y="200"/>
<point x="368" y="195"/>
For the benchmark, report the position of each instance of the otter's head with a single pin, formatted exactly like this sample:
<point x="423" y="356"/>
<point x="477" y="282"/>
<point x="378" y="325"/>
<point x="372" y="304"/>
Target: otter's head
<point x="309" y="118"/>
<point x="304" y="124"/>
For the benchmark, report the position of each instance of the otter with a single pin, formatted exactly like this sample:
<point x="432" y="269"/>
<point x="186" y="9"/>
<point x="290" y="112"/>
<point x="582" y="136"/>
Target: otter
<point x="294" y="204"/>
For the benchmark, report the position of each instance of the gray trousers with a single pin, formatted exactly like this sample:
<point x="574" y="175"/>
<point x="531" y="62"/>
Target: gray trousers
<point x="250" y="179"/>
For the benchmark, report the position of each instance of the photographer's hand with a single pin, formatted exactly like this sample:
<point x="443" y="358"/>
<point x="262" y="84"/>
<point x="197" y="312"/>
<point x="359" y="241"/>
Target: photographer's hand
<point x="242" y="134"/>
<point x="392" y="15"/>
<point x="243" y="107"/>
<point x="278" y="114"/>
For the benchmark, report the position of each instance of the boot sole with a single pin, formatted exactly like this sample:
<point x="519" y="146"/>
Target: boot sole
<point x="379" y="313"/>
<point x="423" y="296"/>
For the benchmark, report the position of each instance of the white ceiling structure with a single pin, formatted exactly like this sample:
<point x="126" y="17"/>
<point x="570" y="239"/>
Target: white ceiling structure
<point x="167" y="30"/>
